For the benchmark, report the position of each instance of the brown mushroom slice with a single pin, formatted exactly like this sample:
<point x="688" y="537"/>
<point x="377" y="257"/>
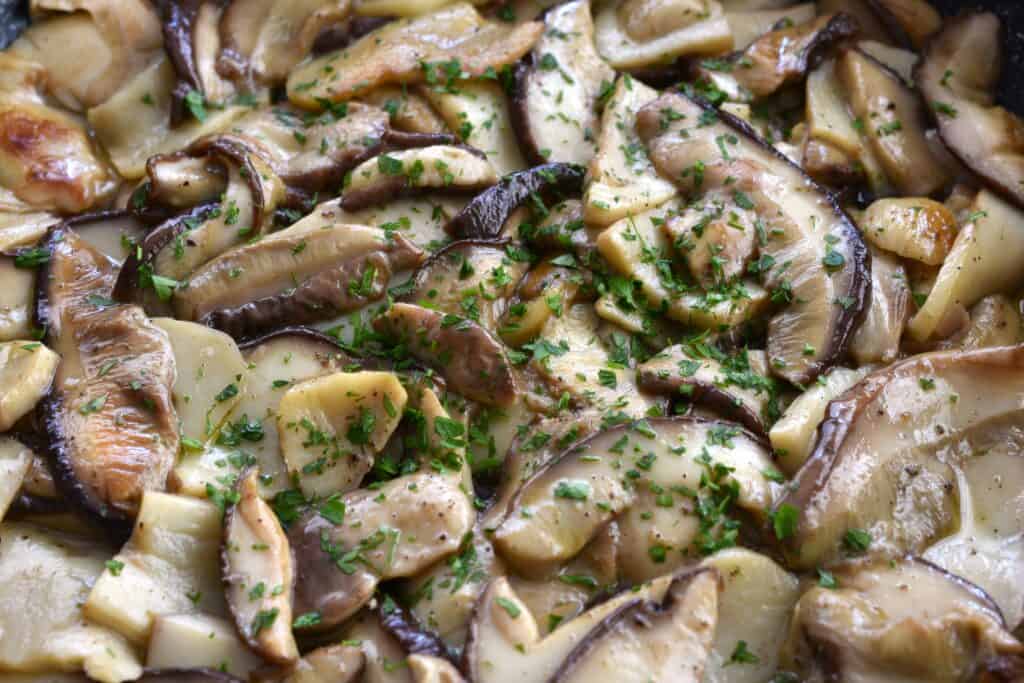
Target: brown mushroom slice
<point x="48" y="161"/>
<point x="481" y="113"/>
<point x="505" y="643"/>
<point x="893" y="444"/>
<point x="474" y="279"/>
<point x="565" y="504"/>
<point x="957" y="76"/>
<point x="397" y="52"/>
<point x="877" y="339"/>
<point x="916" y="20"/>
<point x="440" y="168"/>
<point x="264" y="40"/>
<point x="555" y="101"/>
<point x="792" y="437"/>
<point x="621" y="180"/>
<point x="393" y="531"/>
<point x="716" y="236"/>
<point x="59" y="567"/>
<point x="90" y="47"/>
<point x="749" y="578"/>
<point x="785" y="55"/>
<point x="912" y="227"/>
<point x="634" y="34"/>
<point x="812" y="258"/>
<point x="26" y="370"/>
<point x="656" y="642"/>
<point x="258" y="574"/>
<point x="894" y="123"/>
<point x="15" y="462"/>
<point x="109" y="416"/>
<point x="169" y="566"/>
<point x="984" y="260"/>
<point x="738" y="387"/>
<point x="904" y="620"/>
<point x="332" y="427"/>
<point x="305" y="273"/>
<point x="194" y="641"/>
<point x="471" y="360"/>
<point x="485" y="216"/>
<point x="134" y="124"/>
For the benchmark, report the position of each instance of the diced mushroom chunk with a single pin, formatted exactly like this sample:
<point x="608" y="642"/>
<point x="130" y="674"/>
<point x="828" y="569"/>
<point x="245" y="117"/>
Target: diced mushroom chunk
<point x="916" y="228"/>
<point x="26" y="370"/>
<point x="259" y="573"/>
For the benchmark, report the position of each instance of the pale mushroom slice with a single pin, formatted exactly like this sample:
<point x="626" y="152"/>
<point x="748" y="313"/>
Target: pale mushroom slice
<point x="899" y="621"/>
<point x="634" y="34"/>
<point x="893" y="446"/>
<point x="736" y="386"/>
<point x="199" y="641"/>
<point x="15" y="461"/>
<point x="56" y="166"/>
<point x="894" y="123"/>
<point x="995" y="321"/>
<point x="413" y="112"/>
<point x="638" y="473"/>
<point x="332" y="427"/>
<point x="262" y="41"/>
<point x="811" y="257"/>
<point x="782" y="56"/>
<point x="169" y="566"/>
<point x="430" y="669"/>
<point x="621" y="179"/>
<point x="983" y="260"/>
<point x="916" y="228"/>
<point x="877" y="339"/>
<point x="26" y="370"/>
<point x="792" y="437"/>
<point x="957" y="76"/>
<point x="303" y="274"/>
<point x="472" y="361"/>
<point x="367" y="536"/>
<point x="341" y="663"/>
<point x="109" y="416"/>
<point x="47" y="574"/>
<point x="437" y="169"/>
<point x="543" y="292"/>
<point x="556" y="93"/>
<point x="259" y="573"/>
<point x="412" y="51"/>
<point x="652" y="642"/>
<point x="748" y="21"/>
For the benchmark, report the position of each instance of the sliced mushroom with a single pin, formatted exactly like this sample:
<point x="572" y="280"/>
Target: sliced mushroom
<point x="811" y="256"/>
<point x="471" y="360"/>
<point x="440" y="168"/>
<point x="786" y="55"/>
<point x="737" y="386"/>
<point x="877" y="339"/>
<point x="305" y="273"/>
<point x="170" y="565"/>
<point x="26" y="370"/>
<point x="486" y="214"/>
<point x="912" y="227"/>
<point x="480" y="113"/>
<point x="198" y="641"/>
<point x="474" y="279"/>
<point x="634" y="34"/>
<point x="555" y="112"/>
<point x="914" y="20"/>
<point x="331" y="428"/>
<point x="899" y="61"/>
<point x="957" y="76"/>
<point x="750" y="21"/>
<point x="569" y="500"/>
<point x="397" y="53"/>
<point x="428" y="669"/>
<point x="109" y="416"/>
<point x="906" y="619"/>
<point x="264" y="40"/>
<point x="995" y="321"/>
<point x="544" y="292"/>
<point x="258" y="574"/>
<point x="16" y="294"/>
<point x="343" y="663"/>
<point x="411" y="112"/>
<point x="983" y="260"/>
<point x="716" y="236"/>
<point x="90" y="47"/>
<point x="655" y="642"/>
<point x="392" y="531"/>
<point x="894" y="123"/>
<point x="621" y="179"/>
<point x="792" y="437"/>
<point x="48" y="161"/>
<point x="887" y="445"/>
<point x="23" y="229"/>
<point x="37" y="563"/>
<point x="15" y="462"/>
